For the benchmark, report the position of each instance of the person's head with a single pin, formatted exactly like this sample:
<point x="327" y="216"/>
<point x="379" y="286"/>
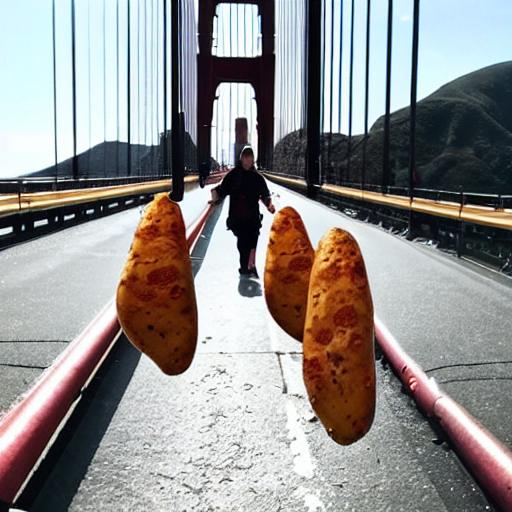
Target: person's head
<point x="247" y="158"/>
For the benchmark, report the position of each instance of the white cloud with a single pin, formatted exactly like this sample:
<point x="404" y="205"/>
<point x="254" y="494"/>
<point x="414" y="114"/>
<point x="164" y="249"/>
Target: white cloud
<point x="405" y="18"/>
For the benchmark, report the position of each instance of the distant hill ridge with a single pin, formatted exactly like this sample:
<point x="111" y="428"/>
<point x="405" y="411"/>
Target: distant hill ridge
<point x="110" y="159"/>
<point x="464" y="139"/>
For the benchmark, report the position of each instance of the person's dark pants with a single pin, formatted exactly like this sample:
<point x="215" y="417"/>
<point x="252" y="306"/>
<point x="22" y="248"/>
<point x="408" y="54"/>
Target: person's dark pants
<point x="247" y="239"/>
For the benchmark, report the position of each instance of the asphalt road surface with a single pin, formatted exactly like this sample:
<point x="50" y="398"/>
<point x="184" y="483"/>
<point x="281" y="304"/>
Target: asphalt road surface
<point x="235" y="432"/>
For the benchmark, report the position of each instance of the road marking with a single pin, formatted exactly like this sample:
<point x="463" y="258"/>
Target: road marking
<point x="302" y="462"/>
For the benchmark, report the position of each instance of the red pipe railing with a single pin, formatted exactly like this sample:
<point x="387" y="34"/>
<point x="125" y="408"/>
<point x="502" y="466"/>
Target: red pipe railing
<point x="488" y="459"/>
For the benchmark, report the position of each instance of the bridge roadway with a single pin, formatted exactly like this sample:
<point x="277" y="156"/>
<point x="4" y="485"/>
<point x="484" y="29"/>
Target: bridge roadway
<point x="235" y="432"/>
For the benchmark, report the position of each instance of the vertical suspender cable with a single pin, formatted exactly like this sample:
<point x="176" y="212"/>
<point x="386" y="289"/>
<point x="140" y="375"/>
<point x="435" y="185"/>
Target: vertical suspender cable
<point x="117" y="86"/>
<point x="303" y="63"/>
<point x="313" y="66"/>
<point x="164" y="42"/>
<point x="54" y="52"/>
<point x="289" y="63"/>
<point x="151" y="89"/>
<point x="177" y="167"/>
<point x="251" y="54"/>
<point x="180" y="55"/>
<point x="350" y="91"/>
<point x="182" y="83"/>
<point x="414" y="89"/>
<point x="104" y="90"/>
<point x="128" y="94"/>
<point x="230" y="139"/>
<point x="386" y="170"/>
<point x="366" y="93"/>
<point x="237" y="86"/>
<point x="331" y="84"/>
<point x="340" y="70"/>
<point x="73" y="85"/>
<point x="322" y="95"/>
<point x="159" y="170"/>
<point x="185" y="79"/>
<point x="412" y="120"/>
<point x="145" y="76"/>
<point x="287" y="72"/>
<point x="89" y="87"/>
<point x="137" y="167"/>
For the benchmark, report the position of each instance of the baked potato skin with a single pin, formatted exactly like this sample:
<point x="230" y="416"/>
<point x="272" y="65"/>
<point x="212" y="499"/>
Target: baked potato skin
<point x="339" y="358"/>
<point x="288" y="264"/>
<point x="155" y="299"/>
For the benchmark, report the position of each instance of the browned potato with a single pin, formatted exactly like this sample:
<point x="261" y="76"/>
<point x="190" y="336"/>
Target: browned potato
<point x="287" y="267"/>
<point x="339" y="360"/>
<point x="156" y="302"/>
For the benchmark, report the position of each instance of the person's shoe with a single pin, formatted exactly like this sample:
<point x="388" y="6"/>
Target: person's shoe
<point x="254" y="272"/>
<point x="244" y="271"/>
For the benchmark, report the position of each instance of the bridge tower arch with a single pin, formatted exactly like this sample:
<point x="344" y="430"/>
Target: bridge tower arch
<point x="257" y="71"/>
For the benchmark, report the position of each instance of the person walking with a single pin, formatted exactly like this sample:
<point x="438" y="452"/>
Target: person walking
<point x="246" y="187"/>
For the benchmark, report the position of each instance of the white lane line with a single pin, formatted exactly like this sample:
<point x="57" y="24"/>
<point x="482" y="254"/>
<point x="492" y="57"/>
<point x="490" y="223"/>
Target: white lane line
<point x="302" y="462"/>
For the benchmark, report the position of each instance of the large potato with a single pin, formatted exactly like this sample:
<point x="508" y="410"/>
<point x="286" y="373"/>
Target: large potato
<point x="339" y="360"/>
<point x="156" y="302"/>
<point x="287" y="267"/>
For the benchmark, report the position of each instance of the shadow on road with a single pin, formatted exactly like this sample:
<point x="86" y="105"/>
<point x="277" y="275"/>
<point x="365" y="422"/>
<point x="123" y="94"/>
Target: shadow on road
<point x="57" y="479"/>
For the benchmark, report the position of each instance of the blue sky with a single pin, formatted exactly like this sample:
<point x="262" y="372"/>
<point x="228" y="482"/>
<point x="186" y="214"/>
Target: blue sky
<point x="457" y="37"/>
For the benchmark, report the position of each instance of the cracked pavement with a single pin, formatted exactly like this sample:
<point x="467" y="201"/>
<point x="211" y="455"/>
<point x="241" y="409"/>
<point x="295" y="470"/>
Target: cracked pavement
<point x="236" y="432"/>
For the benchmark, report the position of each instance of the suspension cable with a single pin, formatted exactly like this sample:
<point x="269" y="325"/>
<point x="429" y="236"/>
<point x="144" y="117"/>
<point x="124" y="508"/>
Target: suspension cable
<point x="350" y="90"/>
<point x="366" y="93"/>
<point x="331" y="75"/>
<point x="89" y="87"/>
<point x="322" y="110"/>
<point x="165" y="154"/>
<point x="54" y="53"/>
<point x="151" y="89"/>
<point x="159" y="170"/>
<point x="340" y="70"/>
<point x="414" y="88"/>
<point x="386" y="170"/>
<point x="117" y="87"/>
<point x="145" y="75"/>
<point x="73" y="84"/>
<point x="128" y="93"/>
<point x="138" y="166"/>
<point x="230" y="139"/>
<point x="104" y="90"/>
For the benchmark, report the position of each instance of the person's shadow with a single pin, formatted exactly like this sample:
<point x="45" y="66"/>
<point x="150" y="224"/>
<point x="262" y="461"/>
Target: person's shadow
<point x="248" y="287"/>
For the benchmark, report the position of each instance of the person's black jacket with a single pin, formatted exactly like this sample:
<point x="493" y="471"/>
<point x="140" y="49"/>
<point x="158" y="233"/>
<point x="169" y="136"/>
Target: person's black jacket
<point x="245" y="188"/>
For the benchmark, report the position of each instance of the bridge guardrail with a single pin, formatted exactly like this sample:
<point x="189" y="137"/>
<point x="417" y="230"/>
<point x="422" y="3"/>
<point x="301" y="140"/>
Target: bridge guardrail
<point x="483" y="209"/>
<point x="473" y="226"/>
<point x="26" y="215"/>
<point x="40" y="200"/>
